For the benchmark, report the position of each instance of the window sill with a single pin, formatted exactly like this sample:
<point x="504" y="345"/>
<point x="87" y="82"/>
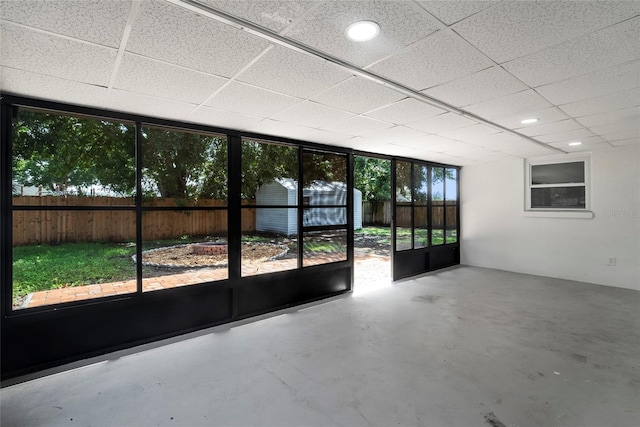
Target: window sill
<point x="559" y="214"/>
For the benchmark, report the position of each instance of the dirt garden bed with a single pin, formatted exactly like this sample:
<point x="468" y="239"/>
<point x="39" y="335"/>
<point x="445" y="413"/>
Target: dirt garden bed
<point x="183" y="256"/>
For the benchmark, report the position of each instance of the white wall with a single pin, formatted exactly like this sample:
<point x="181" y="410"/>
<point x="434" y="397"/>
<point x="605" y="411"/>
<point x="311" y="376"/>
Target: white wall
<point x="497" y="234"/>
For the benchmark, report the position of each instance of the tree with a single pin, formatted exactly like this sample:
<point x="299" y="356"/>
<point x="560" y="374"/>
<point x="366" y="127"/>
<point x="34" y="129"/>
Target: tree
<point x="183" y="165"/>
<point x="372" y="177"/>
<point x="57" y="151"/>
<point x="262" y="163"/>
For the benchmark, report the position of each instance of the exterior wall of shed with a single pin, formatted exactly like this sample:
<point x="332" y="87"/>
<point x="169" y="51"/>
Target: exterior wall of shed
<point x="276" y="220"/>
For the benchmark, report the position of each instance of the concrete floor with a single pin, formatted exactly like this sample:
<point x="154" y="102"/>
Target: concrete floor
<point x="461" y="347"/>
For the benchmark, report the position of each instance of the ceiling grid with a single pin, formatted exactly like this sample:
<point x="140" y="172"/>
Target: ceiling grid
<point x="443" y="81"/>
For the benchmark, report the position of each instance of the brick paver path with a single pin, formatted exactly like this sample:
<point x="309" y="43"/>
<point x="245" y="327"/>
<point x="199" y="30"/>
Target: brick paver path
<point x="370" y="269"/>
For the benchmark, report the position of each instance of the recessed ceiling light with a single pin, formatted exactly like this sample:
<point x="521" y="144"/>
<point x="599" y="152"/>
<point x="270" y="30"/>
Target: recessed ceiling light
<point x="528" y="121"/>
<point x="575" y="143"/>
<point x="363" y="31"/>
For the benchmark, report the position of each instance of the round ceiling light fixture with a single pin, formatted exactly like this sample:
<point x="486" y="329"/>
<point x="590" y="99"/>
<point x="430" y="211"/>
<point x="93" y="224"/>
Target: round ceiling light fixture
<point x="528" y="121"/>
<point x="362" y="31"/>
<point x="573" y="144"/>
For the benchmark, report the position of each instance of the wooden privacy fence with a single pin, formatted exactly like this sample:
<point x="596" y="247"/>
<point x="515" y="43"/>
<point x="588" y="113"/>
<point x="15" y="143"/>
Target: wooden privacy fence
<point x="376" y="213"/>
<point x="379" y="213"/>
<point x="60" y="226"/>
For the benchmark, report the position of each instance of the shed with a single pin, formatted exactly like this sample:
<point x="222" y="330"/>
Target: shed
<point x="284" y="191"/>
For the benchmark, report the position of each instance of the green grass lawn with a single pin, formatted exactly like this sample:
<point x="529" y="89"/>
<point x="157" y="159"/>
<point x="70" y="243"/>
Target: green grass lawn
<point x="403" y="235"/>
<point x="43" y="267"/>
<point x="374" y="231"/>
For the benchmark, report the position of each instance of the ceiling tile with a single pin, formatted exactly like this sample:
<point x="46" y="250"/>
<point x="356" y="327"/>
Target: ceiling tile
<point x="433" y="143"/>
<point x="401" y="23"/>
<point x="449" y="159"/>
<point x="221" y="118"/>
<point x="293" y="73"/>
<point x="360" y="143"/>
<point x="25" y="83"/>
<point x="416" y="67"/>
<point x="150" y="77"/>
<point x="441" y="123"/>
<point x="356" y="126"/>
<point x="484" y="85"/>
<point x="416" y="153"/>
<point x="469" y="133"/>
<point x="405" y="111"/>
<point x="451" y="147"/>
<point x="624" y="115"/>
<point x="572" y="135"/>
<point x="626" y="142"/>
<point x="321" y="136"/>
<point x="597" y="83"/>
<point x="502" y="140"/>
<point x="467" y="150"/>
<point x="251" y="100"/>
<point x="277" y="128"/>
<point x="358" y="95"/>
<point x="451" y="12"/>
<point x="547" y="115"/>
<point x="615" y="127"/>
<point x="610" y="46"/>
<point x="587" y="145"/>
<point x="619" y="136"/>
<point x="550" y="128"/>
<point x="288" y="130"/>
<point x="311" y="114"/>
<point x="55" y="56"/>
<point x="530" y="150"/>
<point x="492" y="156"/>
<point x="459" y="161"/>
<point x="178" y="36"/>
<point x="515" y="104"/>
<point x="135" y="103"/>
<point x="97" y="21"/>
<point x="514" y="145"/>
<point x="272" y="14"/>
<point x="396" y="135"/>
<point x="602" y="104"/>
<point x="513" y="29"/>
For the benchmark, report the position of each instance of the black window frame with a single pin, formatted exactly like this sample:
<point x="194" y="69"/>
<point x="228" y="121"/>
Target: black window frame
<point x="59" y="332"/>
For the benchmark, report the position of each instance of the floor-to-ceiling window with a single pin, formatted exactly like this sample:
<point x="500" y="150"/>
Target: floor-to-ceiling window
<point x="184" y="208"/>
<point x="426" y="217"/>
<point x="73" y="187"/>
<point x="120" y="229"/>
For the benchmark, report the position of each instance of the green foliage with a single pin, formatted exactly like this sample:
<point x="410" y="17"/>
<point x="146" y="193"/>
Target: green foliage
<point x="57" y="151"/>
<point x="373" y="178"/>
<point x="184" y="165"/>
<point x="262" y="163"/>
<point x="324" y="167"/>
<point x="375" y="231"/>
<point x="420" y="181"/>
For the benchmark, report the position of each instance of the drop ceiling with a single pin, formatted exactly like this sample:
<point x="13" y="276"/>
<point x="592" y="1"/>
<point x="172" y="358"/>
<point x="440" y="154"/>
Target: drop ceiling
<point x="446" y="81"/>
